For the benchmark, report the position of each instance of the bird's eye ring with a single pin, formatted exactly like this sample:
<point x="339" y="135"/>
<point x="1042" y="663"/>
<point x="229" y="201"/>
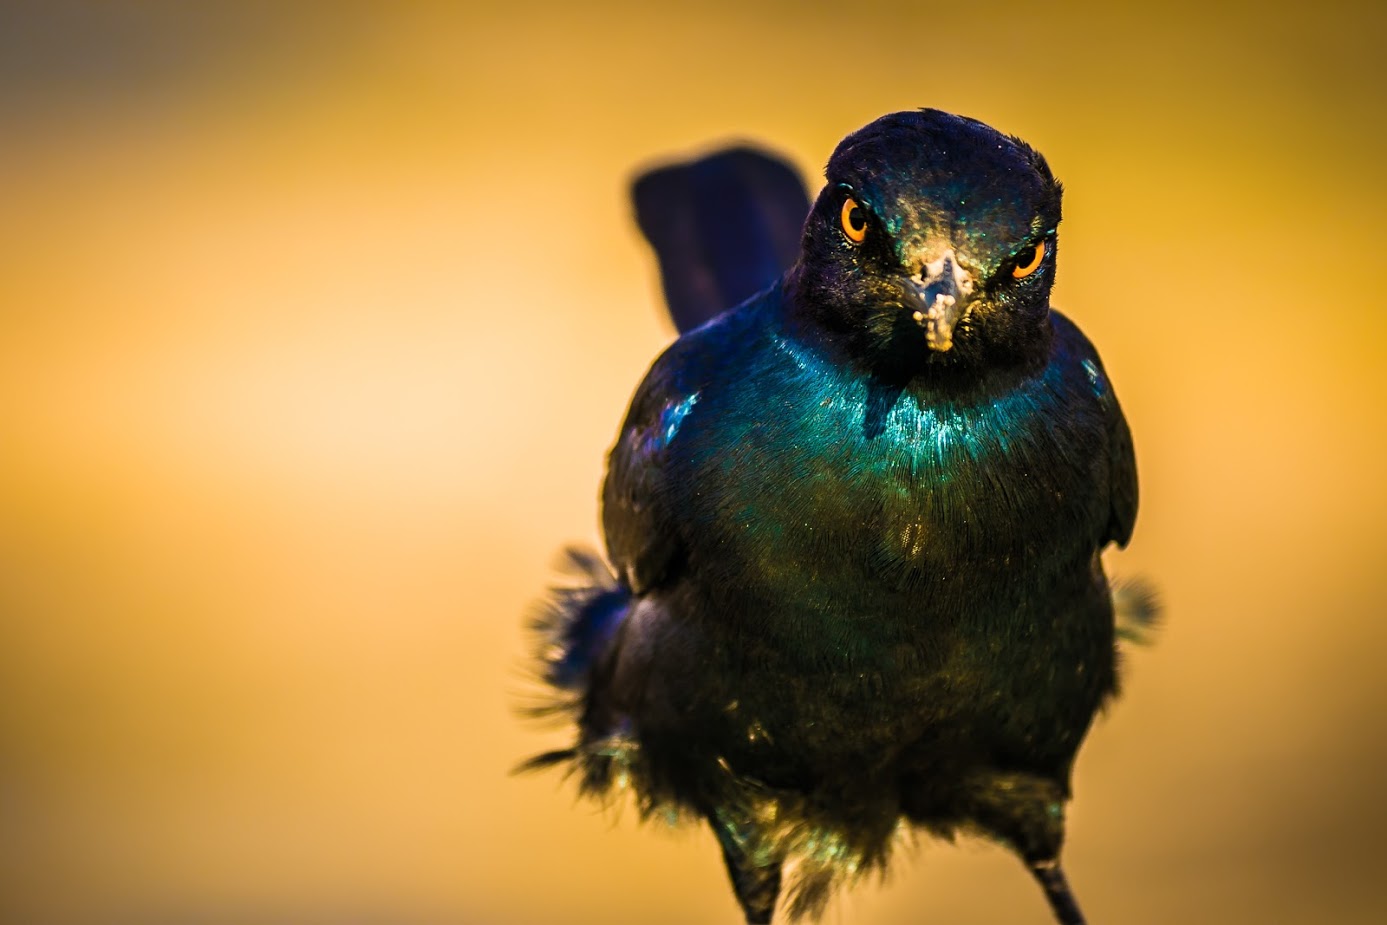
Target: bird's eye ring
<point x="1028" y="264"/>
<point x="854" y="221"/>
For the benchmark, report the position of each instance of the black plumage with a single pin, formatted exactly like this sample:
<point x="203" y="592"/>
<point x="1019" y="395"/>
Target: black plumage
<point x="854" y="527"/>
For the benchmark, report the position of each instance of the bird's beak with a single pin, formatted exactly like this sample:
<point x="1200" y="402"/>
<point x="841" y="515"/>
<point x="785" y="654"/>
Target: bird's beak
<point x="940" y="293"/>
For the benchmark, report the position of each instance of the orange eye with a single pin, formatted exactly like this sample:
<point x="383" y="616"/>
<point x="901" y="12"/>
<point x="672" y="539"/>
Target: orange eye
<point x="854" y="221"/>
<point x="1022" y="270"/>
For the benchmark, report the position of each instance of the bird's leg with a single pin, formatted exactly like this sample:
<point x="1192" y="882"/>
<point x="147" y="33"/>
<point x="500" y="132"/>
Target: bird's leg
<point x="1056" y="887"/>
<point x="757" y="885"/>
<point x="1026" y="811"/>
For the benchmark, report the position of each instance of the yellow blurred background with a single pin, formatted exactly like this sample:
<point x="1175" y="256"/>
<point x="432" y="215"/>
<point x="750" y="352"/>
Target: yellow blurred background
<point x="316" y="322"/>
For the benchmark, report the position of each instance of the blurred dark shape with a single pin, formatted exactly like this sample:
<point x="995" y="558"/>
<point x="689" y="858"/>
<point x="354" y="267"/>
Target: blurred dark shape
<point x="724" y="227"/>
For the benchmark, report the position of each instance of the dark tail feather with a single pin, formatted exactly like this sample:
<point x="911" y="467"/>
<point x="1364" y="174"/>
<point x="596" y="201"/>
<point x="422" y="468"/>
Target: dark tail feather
<point x="723" y="227"/>
<point x="577" y="623"/>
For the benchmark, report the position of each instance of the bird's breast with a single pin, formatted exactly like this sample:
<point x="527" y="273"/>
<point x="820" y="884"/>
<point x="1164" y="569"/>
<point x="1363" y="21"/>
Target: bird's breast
<point x="832" y="490"/>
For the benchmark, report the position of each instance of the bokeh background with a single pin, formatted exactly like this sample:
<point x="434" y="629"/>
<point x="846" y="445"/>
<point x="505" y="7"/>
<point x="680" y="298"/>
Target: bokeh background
<point x="316" y="322"/>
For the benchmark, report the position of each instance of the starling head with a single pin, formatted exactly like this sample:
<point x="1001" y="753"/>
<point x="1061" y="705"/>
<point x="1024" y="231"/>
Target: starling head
<point x="933" y="243"/>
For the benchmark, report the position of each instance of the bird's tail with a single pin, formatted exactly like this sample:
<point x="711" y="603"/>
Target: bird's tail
<point x="724" y="227"/>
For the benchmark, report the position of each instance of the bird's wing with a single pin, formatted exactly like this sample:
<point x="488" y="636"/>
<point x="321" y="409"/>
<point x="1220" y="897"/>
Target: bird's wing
<point x="637" y="509"/>
<point x="1122" y="462"/>
<point x="723" y="227"/>
<point x="1122" y="480"/>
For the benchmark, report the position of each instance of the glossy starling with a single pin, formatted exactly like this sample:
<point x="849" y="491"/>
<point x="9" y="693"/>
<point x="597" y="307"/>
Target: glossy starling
<point x="854" y="527"/>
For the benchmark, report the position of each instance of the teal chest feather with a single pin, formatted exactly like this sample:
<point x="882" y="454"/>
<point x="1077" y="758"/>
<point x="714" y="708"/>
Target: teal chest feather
<point x="888" y="489"/>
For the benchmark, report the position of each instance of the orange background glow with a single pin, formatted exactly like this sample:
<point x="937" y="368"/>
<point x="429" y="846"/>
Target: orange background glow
<point x="316" y="323"/>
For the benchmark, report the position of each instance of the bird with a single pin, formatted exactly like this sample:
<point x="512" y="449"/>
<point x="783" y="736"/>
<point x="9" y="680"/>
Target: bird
<point x="853" y="587"/>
